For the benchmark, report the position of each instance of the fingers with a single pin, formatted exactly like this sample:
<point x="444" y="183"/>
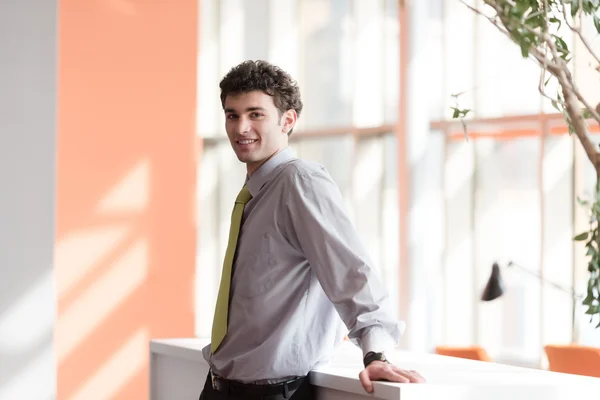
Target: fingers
<point x="382" y="372"/>
<point x="393" y="375"/>
<point x="366" y="381"/>
<point x="413" y="376"/>
<point x="389" y="373"/>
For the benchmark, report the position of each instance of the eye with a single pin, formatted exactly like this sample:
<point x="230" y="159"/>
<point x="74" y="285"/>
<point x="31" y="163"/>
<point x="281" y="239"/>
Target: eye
<point x="256" y="115"/>
<point x="232" y="116"/>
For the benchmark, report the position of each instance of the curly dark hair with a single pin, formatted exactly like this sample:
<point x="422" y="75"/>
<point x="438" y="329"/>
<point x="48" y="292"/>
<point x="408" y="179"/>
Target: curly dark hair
<point x="268" y="78"/>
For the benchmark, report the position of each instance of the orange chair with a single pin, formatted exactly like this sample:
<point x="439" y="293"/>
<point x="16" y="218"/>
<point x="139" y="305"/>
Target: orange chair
<point x="574" y="359"/>
<point x="470" y="352"/>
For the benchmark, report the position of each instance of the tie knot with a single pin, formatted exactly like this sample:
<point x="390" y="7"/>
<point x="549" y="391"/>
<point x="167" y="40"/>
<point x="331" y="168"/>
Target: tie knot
<point x="244" y="196"/>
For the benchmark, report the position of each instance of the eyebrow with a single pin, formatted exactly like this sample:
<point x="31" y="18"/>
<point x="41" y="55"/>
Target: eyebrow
<point x="249" y="109"/>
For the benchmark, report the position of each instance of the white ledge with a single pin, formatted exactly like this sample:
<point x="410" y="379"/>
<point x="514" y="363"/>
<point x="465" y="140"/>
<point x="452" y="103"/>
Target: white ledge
<point x="447" y="377"/>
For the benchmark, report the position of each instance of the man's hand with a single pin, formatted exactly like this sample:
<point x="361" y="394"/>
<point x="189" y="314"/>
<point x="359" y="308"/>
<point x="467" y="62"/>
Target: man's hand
<point x="379" y="370"/>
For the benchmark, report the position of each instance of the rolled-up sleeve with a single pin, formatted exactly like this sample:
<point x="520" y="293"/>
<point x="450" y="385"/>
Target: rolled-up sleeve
<point x="341" y="263"/>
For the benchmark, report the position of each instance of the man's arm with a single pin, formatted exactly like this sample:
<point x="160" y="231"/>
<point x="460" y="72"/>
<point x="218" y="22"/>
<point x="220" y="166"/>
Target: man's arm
<point x="344" y="269"/>
<point x="340" y="261"/>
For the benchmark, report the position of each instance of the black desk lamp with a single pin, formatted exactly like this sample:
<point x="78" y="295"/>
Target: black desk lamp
<point x="495" y="288"/>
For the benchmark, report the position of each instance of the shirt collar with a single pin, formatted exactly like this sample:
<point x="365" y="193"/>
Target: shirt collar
<point x="263" y="174"/>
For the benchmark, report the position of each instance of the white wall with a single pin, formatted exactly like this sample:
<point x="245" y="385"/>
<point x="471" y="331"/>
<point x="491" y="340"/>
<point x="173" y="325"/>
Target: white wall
<point x="27" y="180"/>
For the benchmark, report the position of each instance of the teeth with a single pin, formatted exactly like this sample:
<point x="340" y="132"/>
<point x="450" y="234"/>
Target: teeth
<point x="246" y="141"/>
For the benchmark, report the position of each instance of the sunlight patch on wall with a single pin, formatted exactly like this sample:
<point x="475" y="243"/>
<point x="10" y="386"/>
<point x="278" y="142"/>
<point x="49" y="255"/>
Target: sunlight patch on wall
<point x="104" y="296"/>
<point x="19" y="330"/>
<point x="27" y="383"/>
<point x="125" y="363"/>
<point x="131" y="194"/>
<point x="80" y="251"/>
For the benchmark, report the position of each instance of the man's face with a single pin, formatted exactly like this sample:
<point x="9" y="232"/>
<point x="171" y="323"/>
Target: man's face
<point x="254" y="127"/>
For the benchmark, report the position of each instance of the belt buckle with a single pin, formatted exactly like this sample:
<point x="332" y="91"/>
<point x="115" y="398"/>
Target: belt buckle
<point x="212" y="379"/>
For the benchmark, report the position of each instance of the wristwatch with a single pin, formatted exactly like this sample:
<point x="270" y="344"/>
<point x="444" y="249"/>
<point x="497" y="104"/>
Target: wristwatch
<point x="373" y="356"/>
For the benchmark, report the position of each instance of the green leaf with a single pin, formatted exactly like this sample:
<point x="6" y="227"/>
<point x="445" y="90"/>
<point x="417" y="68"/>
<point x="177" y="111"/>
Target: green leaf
<point x="575" y="4"/>
<point x="592" y="310"/>
<point x="589" y="6"/>
<point x="597" y="23"/>
<point x="524" y="49"/>
<point x="535" y="20"/>
<point x="556" y="21"/>
<point x="594" y="265"/>
<point x="560" y="43"/>
<point x="458" y="113"/>
<point x="519" y="9"/>
<point x="555" y="105"/>
<point x="582" y="202"/>
<point x="589" y="300"/>
<point x="581" y="236"/>
<point x="591" y="251"/>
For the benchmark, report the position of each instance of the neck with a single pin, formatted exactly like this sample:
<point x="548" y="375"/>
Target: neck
<point x="251" y="168"/>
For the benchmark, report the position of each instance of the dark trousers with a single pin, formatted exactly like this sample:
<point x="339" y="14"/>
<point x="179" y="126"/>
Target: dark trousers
<point x="304" y="392"/>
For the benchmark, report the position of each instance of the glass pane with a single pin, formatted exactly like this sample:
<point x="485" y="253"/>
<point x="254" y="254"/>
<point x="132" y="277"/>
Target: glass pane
<point x="558" y="231"/>
<point x="391" y="220"/>
<point x="334" y="153"/>
<point x="326" y="62"/>
<point x="368" y="58"/>
<point x="426" y="238"/>
<point x="458" y="47"/>
<point x="507" y="227"/>
<point x="367" y="185"/>
<point x="495" y="88"/>
<point x="391" y="61"/>
<point x="459" y="285"/>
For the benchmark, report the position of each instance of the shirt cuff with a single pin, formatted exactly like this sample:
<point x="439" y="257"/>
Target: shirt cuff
<point x="377" y="340"/>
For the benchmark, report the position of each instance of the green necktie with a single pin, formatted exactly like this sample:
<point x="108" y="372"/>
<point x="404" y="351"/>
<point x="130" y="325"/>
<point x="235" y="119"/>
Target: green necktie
<point x="219" y="328"/>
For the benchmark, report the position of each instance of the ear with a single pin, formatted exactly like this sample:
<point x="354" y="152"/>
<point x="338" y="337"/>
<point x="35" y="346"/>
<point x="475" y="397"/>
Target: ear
<point x="288" y="120"/>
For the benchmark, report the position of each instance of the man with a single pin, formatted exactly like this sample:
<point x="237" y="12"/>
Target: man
<point x="294" y="263"/>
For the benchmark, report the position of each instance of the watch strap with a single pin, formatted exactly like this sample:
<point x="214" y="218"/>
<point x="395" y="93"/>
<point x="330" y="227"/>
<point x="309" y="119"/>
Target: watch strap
<point x="374" y="356"/>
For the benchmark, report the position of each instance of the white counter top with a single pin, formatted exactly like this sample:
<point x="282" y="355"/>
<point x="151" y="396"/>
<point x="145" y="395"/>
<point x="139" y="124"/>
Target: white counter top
<point x="450" y="378"/>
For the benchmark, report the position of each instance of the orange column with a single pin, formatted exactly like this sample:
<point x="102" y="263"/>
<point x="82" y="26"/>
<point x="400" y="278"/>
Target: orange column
<point x="125" y="241"/>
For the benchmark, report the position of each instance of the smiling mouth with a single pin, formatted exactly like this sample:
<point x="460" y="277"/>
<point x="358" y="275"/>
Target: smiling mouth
<point x="246" y="141"/>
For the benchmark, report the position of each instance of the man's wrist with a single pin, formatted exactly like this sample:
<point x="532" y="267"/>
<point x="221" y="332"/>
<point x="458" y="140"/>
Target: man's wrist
<point x="374" y="356"/>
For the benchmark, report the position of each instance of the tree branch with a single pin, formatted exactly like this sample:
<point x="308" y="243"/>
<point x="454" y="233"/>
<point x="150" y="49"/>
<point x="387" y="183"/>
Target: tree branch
<point x="534" y="52"/>
<point x="573" y="109"/>
<point x="580" y="127"/>
<point x="545" y="65"/>
<point x="578" y="94"/>
<point x="579" y="33"/>
<point x="559" y="68"/>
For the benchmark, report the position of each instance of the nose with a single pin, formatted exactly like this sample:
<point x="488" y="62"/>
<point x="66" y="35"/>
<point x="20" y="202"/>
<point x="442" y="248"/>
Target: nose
<point x="243" y="126"/>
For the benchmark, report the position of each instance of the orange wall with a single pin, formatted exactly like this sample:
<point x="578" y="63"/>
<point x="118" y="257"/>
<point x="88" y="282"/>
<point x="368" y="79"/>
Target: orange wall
<point x="125" y="242"/>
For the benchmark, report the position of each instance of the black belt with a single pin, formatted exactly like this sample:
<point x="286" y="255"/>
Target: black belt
<point x="229" y="387"/>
